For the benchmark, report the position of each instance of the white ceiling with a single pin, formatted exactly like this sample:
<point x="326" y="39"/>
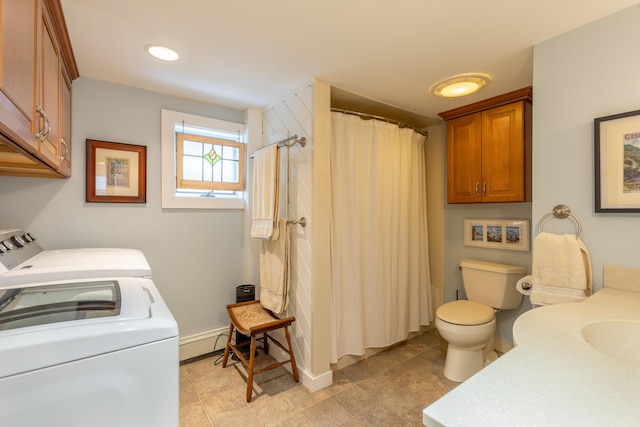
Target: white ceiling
<point x="252" y="53"/>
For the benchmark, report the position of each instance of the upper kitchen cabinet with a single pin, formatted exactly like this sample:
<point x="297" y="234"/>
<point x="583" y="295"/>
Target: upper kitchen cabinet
<point x="37" y="67"/>
<point x="489" y="150"/>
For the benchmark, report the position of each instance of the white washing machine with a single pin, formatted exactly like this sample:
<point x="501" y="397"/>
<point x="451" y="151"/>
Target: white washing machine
<point x="22" y="260"/>
<point x="83" y="351"/>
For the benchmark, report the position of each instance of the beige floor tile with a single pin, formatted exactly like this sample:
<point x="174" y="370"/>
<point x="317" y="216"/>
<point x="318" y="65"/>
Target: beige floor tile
<point x="351" y="423"/>
<point x="211" y="382"/>
<point x="379" y="416"/>
<point x="188" y="393"/>
<point x="358" y="372"/>
<point x="243" y="417"/>
<point x="219" y="405"/>
<point x="302" y="397"/>
<point x="435" y="355"/>
<point x="378" y="362"/>
<point x="327" y="413"/>
<point x="387" y="383"/>
<point x="295" y="420"/>
<point x="274" y="409"/>
<point x="431" y="388"/>
<point x="419" y="366"/>
<point x="340" y="383"/>
<point x="402" y="352"/>
<point x="355" y="400"/>
<point x="406" y="404"/>
<point x="193" y="415"/>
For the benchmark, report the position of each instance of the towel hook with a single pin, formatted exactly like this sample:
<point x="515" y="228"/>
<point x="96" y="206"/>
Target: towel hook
<point x="561" y="212"/>
<point x="302" y="221"/>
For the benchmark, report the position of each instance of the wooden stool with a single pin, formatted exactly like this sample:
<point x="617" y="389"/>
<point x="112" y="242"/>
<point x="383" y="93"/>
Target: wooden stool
<point x="251" y="318"/>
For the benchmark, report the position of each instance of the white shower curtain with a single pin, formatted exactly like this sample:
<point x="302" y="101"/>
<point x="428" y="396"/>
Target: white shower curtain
<point x="380" y="265"/>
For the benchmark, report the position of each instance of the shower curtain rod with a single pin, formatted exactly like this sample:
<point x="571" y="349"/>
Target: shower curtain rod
<point x="284" y="143"/>
<point x="367" y="116"/>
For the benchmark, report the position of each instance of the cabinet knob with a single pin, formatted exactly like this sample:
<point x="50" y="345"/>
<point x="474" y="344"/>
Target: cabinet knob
<point x="484" y="189"/>
<point x="477" y="189"/>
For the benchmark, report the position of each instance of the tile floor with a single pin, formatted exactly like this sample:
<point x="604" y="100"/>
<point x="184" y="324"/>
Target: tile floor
<point x="388" y="389"/>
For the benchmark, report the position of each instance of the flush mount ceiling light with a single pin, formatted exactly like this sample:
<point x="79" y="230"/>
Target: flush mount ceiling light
<point x="163" y="53"/>
<point x="460" y="85"/>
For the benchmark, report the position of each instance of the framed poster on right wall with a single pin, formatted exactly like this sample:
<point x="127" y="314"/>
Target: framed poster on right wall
<point x="617" y="163"/>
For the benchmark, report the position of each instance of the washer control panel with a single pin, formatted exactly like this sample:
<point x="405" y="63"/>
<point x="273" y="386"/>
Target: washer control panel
<point x="16" y="247"/>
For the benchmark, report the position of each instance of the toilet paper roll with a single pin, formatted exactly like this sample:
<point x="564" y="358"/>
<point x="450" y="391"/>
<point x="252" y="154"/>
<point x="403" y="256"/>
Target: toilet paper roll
<point x="524" y="285"/>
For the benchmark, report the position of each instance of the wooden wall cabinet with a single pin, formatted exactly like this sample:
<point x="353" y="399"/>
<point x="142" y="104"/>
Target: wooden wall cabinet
<point x="489" y="150"/>
<point x="37" y="68"/>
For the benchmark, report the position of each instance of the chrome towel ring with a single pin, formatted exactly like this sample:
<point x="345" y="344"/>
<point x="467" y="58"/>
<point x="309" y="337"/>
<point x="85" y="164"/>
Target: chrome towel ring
<point x="561" y="211"/>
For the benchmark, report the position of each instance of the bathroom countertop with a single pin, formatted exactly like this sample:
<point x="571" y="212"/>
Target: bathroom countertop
<point x="553" y="377"/>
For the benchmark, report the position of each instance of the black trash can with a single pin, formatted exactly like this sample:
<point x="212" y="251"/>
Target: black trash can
<point x="244" y="293"/>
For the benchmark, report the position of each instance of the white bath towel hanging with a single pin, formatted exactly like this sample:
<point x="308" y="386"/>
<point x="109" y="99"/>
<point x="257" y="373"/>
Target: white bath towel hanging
<point x="561" y="269"/>
<point x="266" y="193"/>
<point x="274" y="271"/>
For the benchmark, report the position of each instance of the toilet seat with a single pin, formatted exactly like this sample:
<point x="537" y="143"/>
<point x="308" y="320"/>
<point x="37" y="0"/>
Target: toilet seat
<point x="465" y="313"/>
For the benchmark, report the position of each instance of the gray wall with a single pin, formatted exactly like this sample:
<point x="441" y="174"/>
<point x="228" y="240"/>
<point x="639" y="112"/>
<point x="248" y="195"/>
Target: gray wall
<point x="195" y="256"/>
<point x="587" y="73"/>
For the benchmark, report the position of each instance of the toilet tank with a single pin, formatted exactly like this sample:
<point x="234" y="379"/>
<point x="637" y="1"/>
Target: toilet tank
<point x="491" y="283"/>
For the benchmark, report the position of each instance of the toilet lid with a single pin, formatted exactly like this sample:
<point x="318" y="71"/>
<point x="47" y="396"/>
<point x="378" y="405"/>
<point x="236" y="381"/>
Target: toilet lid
<point x="463" y="312"/>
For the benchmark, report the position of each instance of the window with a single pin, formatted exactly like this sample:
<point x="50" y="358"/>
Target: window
<point x="203" y="162"/>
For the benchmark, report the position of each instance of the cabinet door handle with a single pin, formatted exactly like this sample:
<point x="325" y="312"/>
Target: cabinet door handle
<point x="477" y="189"/>
<point x="484" y="189"/>
<point x="66" y="150"/>
<point x="46" y="128"/>
<point x="40" y="132"/>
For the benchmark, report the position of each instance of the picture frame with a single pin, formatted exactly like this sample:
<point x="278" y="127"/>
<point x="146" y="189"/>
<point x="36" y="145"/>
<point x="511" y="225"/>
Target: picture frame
<point x="116" y="172"/>
<point x="617" y="163"/>
<point x="508" y="234"/>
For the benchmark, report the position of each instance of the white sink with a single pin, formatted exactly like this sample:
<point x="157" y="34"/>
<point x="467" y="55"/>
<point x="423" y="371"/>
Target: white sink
<point x="617" y="339"/>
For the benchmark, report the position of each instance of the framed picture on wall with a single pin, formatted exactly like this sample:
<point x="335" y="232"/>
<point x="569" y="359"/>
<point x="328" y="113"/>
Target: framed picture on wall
<point x="509" y="234"/>
<point x="116" y="172"/>
<point x="617" y="162"/>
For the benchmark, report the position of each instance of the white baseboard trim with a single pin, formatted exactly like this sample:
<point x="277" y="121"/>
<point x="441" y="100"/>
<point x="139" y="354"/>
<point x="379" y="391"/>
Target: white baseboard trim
<point x="318" y="382"/>
<point x="202" y="343"/>
<point x="502" y="346"/>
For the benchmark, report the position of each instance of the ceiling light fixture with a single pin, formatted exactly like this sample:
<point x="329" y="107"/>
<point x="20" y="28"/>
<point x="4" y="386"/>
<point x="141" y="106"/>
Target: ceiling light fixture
<point x="460" y="85"/>
<point x="163" y="53"/>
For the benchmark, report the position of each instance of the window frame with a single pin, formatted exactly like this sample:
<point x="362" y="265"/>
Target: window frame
<point x="172" y="199"/>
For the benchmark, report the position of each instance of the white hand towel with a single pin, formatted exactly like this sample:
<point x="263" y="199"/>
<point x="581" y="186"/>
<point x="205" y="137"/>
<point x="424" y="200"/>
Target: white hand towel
<point x="561" y="269"/>
<point x="266" y="193"/>
<point x="274" y="271"/>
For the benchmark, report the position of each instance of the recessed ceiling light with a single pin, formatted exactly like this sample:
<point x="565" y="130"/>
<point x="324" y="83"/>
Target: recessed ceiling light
<point x="162" y="52"/>
<point x="460" y="85"/>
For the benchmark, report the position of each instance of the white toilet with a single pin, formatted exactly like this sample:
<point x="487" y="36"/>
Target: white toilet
<point x="468" y="325"/>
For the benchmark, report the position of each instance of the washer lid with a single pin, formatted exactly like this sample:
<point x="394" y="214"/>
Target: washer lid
<point x="44" y="329"/>
<point x="464" y="312"/>
<point x="67" y="264"/>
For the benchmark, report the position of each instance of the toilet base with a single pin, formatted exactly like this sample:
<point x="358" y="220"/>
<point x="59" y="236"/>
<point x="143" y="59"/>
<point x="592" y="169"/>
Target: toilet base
<point x="462" y="363"/>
